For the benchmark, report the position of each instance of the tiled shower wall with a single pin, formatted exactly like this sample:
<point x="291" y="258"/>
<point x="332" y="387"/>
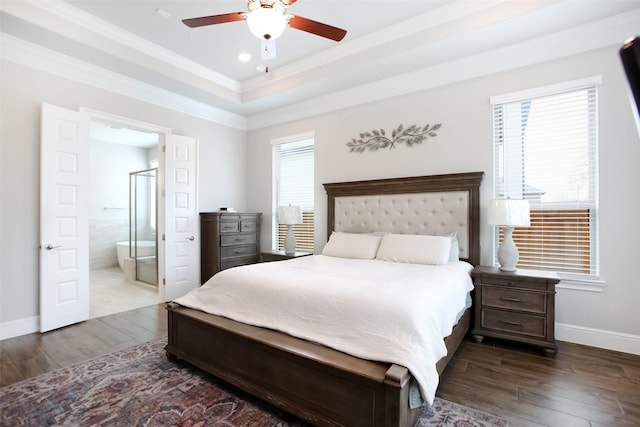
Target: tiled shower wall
<point x="104" y="233"/>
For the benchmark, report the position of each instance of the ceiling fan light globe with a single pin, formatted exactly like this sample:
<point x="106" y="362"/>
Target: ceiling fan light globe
<point x="266" y="23"/>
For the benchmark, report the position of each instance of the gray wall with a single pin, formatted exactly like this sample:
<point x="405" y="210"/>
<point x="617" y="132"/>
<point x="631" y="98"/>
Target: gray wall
<point x="464" y="144"/>
<point x="222" y="169"/>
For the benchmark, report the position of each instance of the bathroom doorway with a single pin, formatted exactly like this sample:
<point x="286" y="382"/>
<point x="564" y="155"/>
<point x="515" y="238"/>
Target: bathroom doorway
<point x="123" y="210"/>
<point x="71" y="206"/>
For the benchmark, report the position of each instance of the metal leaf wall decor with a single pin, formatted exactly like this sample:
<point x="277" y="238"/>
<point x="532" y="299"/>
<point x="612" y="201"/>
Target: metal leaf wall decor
<point x="377" y="139"/>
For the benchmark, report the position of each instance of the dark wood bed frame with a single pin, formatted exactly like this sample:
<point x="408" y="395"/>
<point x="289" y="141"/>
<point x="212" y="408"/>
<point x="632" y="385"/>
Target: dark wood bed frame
<point x="318" y="384"/>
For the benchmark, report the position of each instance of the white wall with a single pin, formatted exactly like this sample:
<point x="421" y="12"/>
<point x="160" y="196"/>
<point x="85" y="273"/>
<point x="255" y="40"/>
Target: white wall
<point x="222" y="172"/>
<point x="464" y="144"/>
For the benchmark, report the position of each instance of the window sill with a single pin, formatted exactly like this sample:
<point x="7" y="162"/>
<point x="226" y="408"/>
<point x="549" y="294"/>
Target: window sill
<point x="587" y="285"/>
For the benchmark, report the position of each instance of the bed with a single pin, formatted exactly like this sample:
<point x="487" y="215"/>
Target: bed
<point x="314" y="382"/>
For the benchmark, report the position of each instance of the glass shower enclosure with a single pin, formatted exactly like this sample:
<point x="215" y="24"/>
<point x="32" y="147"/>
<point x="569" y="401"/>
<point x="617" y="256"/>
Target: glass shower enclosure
<point x="143" y="206"/>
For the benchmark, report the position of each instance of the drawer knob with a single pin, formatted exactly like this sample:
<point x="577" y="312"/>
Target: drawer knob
<point x="510" y="299"/>
<point x="509" y="322"/>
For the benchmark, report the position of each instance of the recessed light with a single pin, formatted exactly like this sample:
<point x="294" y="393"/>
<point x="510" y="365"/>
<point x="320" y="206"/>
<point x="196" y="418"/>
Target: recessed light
<point x="163" y="13"/>
<point x="244" y="57"/>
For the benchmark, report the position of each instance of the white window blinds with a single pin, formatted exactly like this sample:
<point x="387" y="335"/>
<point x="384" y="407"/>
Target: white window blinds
<point x="294" y="185"/>
<point x="545" y="151"/>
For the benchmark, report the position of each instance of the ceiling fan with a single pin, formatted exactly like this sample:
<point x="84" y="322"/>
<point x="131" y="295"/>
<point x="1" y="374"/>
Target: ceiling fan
<point x="268" y="19"/>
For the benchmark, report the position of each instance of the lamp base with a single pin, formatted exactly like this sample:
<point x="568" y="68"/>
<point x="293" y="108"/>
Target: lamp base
<point x="508" y="252"/>
<point x="289" y="241"/>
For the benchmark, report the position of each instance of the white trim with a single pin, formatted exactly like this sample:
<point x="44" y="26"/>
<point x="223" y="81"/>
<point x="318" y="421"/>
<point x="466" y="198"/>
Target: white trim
<point x="408" y="29"/>
<point x="121" y="120"/>
<point x="49" y="61"/>
<point x="595" y="35"/>
<point x="16" y="328"/>
<point x="607" y="32"/>
<point x="293" y="138"/>
<point x="79" y="17"/>
<point x="587" y="285"/>
<point x="546" y="90"/>
<point x="609" y="340"/>
<point x="599" y="338"/>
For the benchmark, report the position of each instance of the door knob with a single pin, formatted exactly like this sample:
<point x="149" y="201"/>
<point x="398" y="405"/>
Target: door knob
<point x="49" y="247"/>
<point x="191" y="238"/>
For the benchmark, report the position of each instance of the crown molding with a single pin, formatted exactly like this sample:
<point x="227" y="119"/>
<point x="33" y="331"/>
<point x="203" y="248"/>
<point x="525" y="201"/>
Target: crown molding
<point x="610" y="31"/>
<point x="251" y="89"/>
<point x="49" y="61"/>
<point x="75" y="17"/>
<point x="607" y="32"/>
<point x="399" y="32"/>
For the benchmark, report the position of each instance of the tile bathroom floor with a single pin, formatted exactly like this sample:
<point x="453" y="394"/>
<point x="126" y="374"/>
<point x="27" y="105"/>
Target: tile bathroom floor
<point x="110" y="294"/>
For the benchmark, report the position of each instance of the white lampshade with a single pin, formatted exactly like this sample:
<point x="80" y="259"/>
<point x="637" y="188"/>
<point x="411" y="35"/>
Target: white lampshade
<point x="266" y="23"/>
<point x="289" y="215"/>
<point x="509" y="212"/>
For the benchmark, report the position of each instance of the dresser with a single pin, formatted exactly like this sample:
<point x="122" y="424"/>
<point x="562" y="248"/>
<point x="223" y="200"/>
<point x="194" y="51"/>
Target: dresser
<point x="228" y="239"/>
<point x="517" y="306"/>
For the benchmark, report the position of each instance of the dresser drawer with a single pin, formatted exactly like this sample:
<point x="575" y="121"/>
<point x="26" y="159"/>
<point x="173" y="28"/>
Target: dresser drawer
<point x="517" y="323"/>
<point x="235" y="251"/>
<point x="247" y="226"/>
<point x="235" y="262"/>
<point x="516" y="299"/>
<point x="238" y="239"/>
<point x="229" y="226"/>
<point x="500" y="281"/>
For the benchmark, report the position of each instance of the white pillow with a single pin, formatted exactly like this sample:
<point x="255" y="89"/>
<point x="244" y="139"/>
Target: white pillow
<point x="415" y="249"/>
<point x="351" y="245"/>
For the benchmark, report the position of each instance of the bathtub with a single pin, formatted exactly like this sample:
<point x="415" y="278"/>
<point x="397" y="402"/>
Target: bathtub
<point x="145" y="248"/>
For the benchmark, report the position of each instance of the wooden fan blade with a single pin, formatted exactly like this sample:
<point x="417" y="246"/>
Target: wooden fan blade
<point x="214" y="19"/>
<point x="289" y="2"/>
<point x="317" y="28"/>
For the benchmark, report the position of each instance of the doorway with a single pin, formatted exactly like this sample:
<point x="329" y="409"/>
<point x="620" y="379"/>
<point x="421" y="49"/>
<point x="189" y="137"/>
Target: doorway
<point x="123" y="261"/>
<point x="64" y="212"/>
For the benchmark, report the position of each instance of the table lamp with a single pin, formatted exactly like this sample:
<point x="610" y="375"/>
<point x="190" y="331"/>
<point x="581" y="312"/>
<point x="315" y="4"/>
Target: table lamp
<point x="508" y="213"/>
<point x="289" y="215"/>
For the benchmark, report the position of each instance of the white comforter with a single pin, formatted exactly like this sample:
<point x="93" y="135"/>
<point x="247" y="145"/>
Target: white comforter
<point x="376" y="310"/>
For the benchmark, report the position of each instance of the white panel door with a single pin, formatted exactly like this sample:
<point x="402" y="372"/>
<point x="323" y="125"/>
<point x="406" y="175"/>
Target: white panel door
<point x="64" y="223"/>
<point x="182" y="240"/>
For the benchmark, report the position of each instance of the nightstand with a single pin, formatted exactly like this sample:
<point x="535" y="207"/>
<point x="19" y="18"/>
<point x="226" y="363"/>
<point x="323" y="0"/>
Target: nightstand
<point x="517" y="306"/>
<point x="269" y="256"/>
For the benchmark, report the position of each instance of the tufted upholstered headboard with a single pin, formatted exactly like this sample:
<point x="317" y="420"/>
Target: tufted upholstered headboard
<point x="436" y="204"/>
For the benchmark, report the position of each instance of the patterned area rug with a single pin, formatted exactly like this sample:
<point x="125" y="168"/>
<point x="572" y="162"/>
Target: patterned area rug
<point x="141" y="387"/>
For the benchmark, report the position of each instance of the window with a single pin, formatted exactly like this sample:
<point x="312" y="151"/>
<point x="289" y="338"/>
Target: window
<point x="545" y="151"/>
<point x="293" y="185"/>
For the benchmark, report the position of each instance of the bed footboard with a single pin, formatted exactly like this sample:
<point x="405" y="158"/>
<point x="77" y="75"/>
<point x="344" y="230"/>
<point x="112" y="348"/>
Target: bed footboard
<point x="313" y="382"/>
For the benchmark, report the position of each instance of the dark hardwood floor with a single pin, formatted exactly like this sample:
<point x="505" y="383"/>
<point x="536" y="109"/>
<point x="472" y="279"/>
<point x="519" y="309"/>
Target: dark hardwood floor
<point x="33" y="354"/>
<point x="581" y="386"/>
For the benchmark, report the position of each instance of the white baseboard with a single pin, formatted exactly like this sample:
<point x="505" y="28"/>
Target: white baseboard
<point x="15" y="328"/>
<point x="616" y="341"/>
